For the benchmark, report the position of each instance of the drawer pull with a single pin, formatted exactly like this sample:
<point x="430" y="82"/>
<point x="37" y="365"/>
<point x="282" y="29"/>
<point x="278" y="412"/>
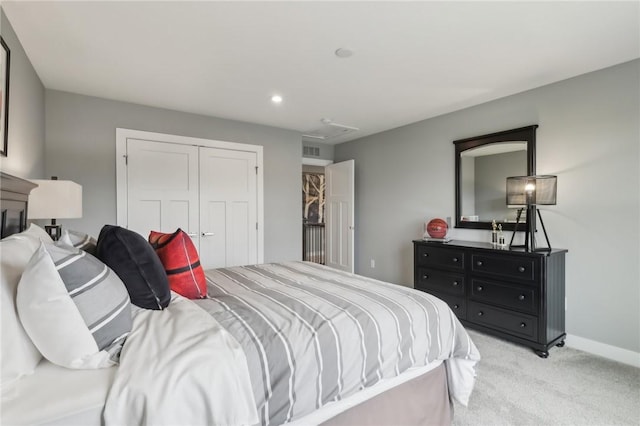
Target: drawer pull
<point x="425" y="277"/>
<point x="479" y="288"/>
<point x="455" y="283"/>
<point x="480" y="313"/>
<point x="455" y="260"/>
<point x="479" y="263"/>
<point x="456" y="306"/>
<point x="523" y="325"/>
<point x="521" y="297"/>
<point x="521" y="268"/>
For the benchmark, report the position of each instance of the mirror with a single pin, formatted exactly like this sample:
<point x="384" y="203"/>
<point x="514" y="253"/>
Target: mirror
<point x="483" y="164"/>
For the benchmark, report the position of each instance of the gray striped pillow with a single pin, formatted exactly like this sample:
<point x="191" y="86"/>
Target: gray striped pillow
<point x="79" y="240"/>
<point x="75" y="308"/>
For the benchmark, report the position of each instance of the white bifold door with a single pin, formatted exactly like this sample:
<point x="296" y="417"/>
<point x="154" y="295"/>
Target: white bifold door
<point x="228" y="221"/>
<point x="211" y="193"/>
<point x="162" y="187"/>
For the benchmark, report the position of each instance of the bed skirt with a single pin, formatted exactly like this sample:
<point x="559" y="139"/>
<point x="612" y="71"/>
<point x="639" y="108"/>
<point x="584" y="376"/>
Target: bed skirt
<point x="420" y="401"/>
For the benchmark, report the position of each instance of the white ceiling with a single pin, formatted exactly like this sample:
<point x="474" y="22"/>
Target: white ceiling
<point x="412" y="61"/>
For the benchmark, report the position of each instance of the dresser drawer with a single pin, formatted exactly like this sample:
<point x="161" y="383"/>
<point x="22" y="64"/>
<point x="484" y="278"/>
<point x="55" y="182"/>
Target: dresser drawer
<point x="457" y="303"/>
<point x="439" y="257"/>
<point x="520" y="325"/>
<point x="514" y="267"/>
<point x="447" y="282"/>
<point x="512" y="296"/>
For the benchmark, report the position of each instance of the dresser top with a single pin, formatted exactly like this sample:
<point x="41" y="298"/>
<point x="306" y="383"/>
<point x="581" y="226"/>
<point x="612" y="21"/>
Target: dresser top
<point x="488" y="246"/>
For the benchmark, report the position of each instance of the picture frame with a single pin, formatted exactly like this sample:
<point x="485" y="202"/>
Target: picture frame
<point x="313" y="197"/>
<point x="5" y="67"/>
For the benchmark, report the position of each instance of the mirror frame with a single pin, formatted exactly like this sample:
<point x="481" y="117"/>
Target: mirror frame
<point x="527" y="134"/>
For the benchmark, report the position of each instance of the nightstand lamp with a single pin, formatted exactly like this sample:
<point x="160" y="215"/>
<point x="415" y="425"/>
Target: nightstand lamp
<point x="55" y="199"/>
<point x="529" y="192"/>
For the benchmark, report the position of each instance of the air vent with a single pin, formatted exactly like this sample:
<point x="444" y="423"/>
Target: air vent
<point x="311" y="151"/>
<point x="329" y="130"/>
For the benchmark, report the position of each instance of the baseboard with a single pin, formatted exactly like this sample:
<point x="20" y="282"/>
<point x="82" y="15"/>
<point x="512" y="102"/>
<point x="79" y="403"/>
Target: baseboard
<point x="615" y="353"/>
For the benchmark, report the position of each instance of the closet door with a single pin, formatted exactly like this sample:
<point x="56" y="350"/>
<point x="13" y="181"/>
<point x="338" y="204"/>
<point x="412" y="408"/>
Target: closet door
<point x="228" y="207"/>
<point x="162" y="187"/>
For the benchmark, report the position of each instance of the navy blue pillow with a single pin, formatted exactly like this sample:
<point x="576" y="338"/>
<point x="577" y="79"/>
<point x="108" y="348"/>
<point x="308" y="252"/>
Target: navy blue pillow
<point x="137" y="264"/>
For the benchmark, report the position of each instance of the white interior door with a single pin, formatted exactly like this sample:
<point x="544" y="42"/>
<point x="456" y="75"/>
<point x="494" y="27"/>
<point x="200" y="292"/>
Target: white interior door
<point x="162" y="187"/>
<point x="339" y="214"/>
<point x="228" y="207"/>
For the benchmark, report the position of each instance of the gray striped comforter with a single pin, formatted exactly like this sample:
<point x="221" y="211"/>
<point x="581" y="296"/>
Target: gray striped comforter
<point x="312" y="334"/>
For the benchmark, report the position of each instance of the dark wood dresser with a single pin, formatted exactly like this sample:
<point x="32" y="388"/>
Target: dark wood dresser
<point x="512" y="294"/>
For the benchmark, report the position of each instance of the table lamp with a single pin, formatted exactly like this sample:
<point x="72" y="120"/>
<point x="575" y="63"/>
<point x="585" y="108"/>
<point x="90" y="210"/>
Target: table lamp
<point x="55" y="199"/>
<point x="529" y="192"/>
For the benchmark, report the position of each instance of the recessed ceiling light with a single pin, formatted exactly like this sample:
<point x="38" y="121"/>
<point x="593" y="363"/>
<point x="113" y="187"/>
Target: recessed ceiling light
<point x="343" y="52"/>
<point x="276" y="99"/>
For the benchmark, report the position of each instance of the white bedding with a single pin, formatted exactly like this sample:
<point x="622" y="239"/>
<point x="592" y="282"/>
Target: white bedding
<point x="57" y="395"/>
<point x="179" y="366"/>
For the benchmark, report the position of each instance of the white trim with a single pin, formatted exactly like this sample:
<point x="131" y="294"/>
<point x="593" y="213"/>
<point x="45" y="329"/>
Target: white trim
<point x="615" y="353"/>
<point x="315" y="161"/>
<point x="121" y="170"/>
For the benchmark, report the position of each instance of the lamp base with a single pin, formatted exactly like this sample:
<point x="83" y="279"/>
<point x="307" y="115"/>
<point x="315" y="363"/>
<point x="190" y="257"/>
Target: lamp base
<point x="530" y="230"/>
<point x="54" y="231"/>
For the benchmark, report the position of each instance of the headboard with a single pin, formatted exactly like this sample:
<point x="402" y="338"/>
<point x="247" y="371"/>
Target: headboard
<point x="14" y="199"/>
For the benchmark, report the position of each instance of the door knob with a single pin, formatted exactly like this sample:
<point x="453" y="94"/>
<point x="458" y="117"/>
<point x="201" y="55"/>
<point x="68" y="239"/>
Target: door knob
<point x="192" y="234"/>
<point x="208" y="234"/>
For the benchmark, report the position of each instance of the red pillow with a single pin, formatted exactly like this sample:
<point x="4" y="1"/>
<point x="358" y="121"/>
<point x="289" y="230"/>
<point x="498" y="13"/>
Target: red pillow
<point x="181" y="262"/>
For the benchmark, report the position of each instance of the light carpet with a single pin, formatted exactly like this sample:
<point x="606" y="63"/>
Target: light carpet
<point x="516" y="387"/>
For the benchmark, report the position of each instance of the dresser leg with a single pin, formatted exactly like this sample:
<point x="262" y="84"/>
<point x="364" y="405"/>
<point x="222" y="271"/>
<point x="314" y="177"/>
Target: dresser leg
<point x="542" y="354"/>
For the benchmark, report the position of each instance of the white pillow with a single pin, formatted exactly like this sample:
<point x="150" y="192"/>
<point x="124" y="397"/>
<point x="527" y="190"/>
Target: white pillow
<point x="75" y="309"/>
<point x="36" y="232"/>
<point x="18" y="355"/>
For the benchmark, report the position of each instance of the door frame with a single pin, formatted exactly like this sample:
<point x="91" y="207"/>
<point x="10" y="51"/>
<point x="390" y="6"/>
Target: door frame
<point x="122" y="135"/>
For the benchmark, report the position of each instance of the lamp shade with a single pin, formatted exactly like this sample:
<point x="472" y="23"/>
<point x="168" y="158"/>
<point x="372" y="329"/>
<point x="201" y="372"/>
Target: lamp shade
<point x="531" y="190"/>
<point x="55" y="199"/>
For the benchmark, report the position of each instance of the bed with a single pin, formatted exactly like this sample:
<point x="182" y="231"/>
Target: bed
<point x="289" y="342"/>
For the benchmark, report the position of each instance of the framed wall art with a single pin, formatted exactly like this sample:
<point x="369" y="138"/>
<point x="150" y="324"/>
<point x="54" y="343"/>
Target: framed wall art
<point x="5" y="62"/>
<point x="313" y="187"/>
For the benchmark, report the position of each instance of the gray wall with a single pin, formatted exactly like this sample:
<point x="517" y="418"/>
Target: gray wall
<point x="312" y="169"/>
<point x="26" y="112"/>
<point x="491" y="172"/>
<point x="589" y="136"/>
<point x="80" y="146"/>
<point x="467" y="186"/>
<point x="326" y="150"/>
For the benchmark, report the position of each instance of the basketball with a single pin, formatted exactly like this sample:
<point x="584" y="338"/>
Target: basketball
<point x="437" y="228"/>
